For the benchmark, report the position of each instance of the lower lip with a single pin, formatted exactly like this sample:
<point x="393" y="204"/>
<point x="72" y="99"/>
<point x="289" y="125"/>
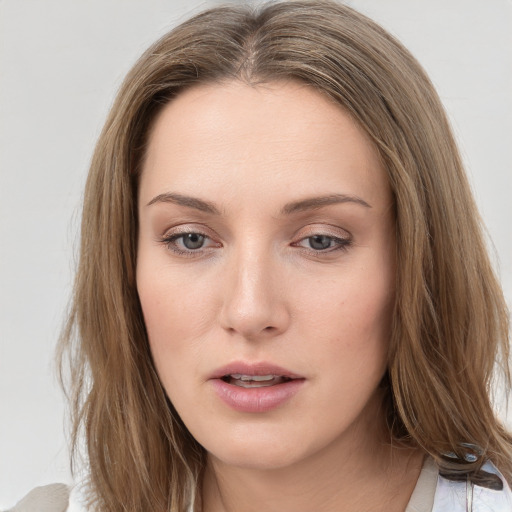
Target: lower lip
<point x="256" y="399"/>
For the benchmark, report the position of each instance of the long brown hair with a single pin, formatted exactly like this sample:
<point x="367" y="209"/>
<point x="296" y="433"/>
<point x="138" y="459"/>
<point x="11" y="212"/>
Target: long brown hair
<point x="450" y="321"/>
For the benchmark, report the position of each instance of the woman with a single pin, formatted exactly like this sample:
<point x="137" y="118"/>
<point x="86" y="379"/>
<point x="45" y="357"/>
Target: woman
<point x="271" y="309"/>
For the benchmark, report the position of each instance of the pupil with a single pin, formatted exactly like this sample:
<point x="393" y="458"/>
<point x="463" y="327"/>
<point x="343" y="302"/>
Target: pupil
<point x="320" y="242"/>
<point x="193" y="240"/>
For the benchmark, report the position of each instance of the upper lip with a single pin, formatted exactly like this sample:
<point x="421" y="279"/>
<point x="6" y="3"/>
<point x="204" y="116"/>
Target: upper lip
<point x="254" y="368"/>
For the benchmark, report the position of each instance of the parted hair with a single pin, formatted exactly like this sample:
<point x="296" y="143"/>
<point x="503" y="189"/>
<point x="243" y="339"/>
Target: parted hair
<point x="450" y="325"/>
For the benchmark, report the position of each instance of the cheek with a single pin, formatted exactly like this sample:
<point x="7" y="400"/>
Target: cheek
<point x="172" y="300"/>
<point x="175" y="315"/>
<point x="159" y="308"/>
<point x="353" y="303"/>
<point x="352" y="355"/>
<point x="351" y="324"/>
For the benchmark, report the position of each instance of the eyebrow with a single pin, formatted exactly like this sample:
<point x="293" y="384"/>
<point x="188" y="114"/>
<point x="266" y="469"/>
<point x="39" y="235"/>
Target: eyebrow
<point x="188" y="201"/>
<point x="314" y="203"/>
<point x="311" y="203"/>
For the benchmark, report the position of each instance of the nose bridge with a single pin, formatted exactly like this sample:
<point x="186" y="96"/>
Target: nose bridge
<point x="252" y="302"/>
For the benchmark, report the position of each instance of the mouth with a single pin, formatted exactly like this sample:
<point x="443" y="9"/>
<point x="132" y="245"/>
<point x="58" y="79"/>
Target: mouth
<point x="255" y="387"/>
<point x="254" y="375"/>
<point x="254" y="381"/>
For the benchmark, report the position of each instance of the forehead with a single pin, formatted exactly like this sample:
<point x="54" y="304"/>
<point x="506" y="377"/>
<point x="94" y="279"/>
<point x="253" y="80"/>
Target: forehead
<point x="232" y="137"/>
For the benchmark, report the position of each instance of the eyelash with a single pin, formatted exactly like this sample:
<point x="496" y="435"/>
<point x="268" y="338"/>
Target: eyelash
<point x="340" y="244"/>
<point x="170" y="241"/>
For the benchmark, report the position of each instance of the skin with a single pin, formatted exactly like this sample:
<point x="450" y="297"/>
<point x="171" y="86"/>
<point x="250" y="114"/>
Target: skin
<point x="260" y="289"/>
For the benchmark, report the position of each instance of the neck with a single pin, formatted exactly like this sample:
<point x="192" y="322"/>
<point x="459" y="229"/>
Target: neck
<point x="359" y="471"/>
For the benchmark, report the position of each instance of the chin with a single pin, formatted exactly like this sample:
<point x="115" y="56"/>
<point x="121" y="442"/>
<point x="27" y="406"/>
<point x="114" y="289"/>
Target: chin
<point x="256" y="458"/>
<point x="262" y="450"/>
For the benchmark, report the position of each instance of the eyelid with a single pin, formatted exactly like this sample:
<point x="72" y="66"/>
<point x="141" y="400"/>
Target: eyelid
<point x="188" y="228"/>
<point x="323" y="229"/>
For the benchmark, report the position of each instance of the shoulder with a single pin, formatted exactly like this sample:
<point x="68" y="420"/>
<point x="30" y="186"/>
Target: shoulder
<point x="453" y="496"/>
<point x="49" y="498"/>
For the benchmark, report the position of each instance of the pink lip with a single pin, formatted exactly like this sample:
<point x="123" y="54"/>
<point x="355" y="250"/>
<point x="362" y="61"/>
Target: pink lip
<point x="255" y="400"/>
<point x="259" y="368"/>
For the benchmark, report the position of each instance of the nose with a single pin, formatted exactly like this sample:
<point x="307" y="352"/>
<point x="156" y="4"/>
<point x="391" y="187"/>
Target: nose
<point x="254" y="299"/>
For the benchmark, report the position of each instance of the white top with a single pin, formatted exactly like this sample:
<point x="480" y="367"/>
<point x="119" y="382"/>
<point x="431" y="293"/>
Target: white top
<point x="432" y="493"/>
<point x="422" y="498"/>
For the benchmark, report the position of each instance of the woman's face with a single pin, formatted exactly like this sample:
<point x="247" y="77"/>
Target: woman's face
<point x="266" y="270"/>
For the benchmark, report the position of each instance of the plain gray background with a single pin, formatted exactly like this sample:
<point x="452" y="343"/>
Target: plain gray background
<point x="61" y="62"/>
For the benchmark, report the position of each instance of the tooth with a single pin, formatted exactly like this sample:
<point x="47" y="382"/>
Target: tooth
<point x="257" y="378"/>
<point x="253" y="384"/>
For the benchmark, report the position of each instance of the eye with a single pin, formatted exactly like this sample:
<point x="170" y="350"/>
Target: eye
<point x="324" y="243"/>
<point x="320" y="242"/>
<point x="188" y="243"/>
<point x="192" y="240"/>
